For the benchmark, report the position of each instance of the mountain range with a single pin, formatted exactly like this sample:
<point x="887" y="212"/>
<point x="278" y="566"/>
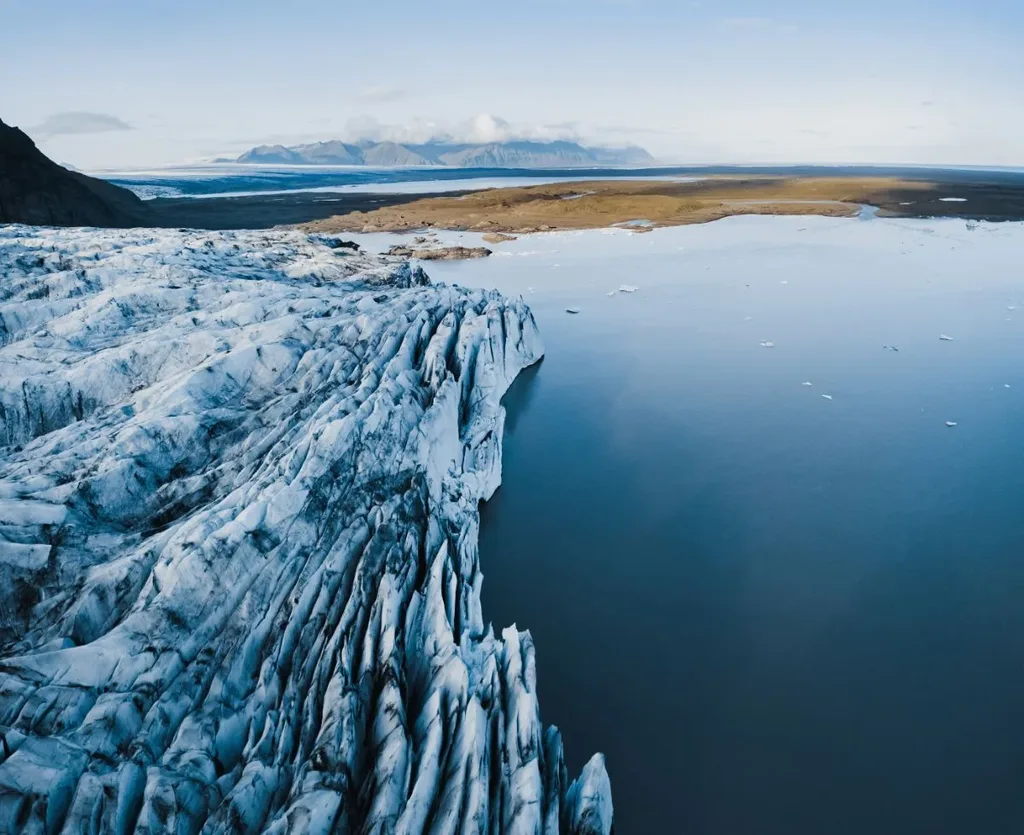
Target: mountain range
<point x="511" y="154"/>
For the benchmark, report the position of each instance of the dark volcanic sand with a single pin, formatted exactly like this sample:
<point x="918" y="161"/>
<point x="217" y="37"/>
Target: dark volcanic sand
<point x="266" y="211"/>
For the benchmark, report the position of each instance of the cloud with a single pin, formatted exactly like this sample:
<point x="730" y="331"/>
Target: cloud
<point x="484" y="128"/>
<point x="767" y="25"/>
<point x="78" y="122"/>
<point x="488" y="128"/>
<point x="365" y="127"/>
<point x="383" y="93"/>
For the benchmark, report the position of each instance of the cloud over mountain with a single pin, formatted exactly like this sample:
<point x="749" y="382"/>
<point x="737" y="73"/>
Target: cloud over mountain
<point x="78" y="122"/>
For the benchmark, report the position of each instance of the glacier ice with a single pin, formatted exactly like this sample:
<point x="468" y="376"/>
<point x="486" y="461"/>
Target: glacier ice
<point x="239" y="579"/>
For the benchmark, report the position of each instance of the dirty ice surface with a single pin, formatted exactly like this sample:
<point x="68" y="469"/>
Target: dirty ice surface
<point x="240" y="476"/>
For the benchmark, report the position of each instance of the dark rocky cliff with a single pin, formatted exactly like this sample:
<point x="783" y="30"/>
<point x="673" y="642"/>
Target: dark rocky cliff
<point x="35" y="190"/>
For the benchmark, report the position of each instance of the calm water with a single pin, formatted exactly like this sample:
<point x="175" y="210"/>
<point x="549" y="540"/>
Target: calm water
<point x="774" y="613"/>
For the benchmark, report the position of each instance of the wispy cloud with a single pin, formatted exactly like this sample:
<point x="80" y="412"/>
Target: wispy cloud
<point x="484" y="128"/>
<point x="767" y="25"/>
<point x="78" y="122"/>
<point x="383" y="93"/>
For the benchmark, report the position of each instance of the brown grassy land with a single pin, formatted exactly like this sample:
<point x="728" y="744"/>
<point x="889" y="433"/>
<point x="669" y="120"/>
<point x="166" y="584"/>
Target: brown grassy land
<point x="604" y="203"/>
<point x="587" y="205"/>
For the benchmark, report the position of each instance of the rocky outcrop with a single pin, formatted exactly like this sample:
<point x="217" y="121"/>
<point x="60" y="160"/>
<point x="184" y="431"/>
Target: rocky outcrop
<point x="238" y="546"/>
<point x="438" y="252"/>
<point x="35" y="190"/>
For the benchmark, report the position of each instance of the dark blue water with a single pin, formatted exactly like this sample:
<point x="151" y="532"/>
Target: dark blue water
<point x="775" y="613"/>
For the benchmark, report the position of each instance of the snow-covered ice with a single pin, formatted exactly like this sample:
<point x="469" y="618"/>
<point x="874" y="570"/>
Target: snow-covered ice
<point x="239" y="579"/>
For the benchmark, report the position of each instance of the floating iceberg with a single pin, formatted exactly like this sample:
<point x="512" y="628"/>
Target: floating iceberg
<point x="239" y="579"/>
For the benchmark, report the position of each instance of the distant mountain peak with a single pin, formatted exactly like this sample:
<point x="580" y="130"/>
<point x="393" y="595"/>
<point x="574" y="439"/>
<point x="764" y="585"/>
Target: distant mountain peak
<point x="518" y="153"/>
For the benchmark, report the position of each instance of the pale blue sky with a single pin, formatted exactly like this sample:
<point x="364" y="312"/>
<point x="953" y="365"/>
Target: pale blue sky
<point x="113" y="83"/>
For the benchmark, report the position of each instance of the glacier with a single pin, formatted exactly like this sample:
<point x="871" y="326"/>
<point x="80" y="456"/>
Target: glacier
<point x="239" y="577"/>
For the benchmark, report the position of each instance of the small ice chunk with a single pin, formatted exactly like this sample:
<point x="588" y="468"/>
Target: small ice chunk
<point x="827" y="396"/>
<point x="784" y="282"/>
<point x="945" y="338"/>
<point x="572" y="310"/>
<point x="747" y="318"/>
<point x="767" y="344"/>
<point x="807" y="383"/>
<point x="952" y="199"/>
<point x="628" y="288"/>
<point x="1011" y="307"/>
<point x="951" y="423"/>
<point x="612" y="293"/>
<point x="1006" y="385"/>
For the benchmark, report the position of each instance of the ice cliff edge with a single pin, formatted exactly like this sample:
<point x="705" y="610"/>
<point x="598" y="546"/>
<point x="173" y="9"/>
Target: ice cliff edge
<point x="239" y="579"/>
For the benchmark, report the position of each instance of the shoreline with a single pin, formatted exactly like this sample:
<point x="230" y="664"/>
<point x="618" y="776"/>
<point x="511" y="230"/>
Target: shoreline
<point x="594" y="204"/>
<point x="644" y="205"/>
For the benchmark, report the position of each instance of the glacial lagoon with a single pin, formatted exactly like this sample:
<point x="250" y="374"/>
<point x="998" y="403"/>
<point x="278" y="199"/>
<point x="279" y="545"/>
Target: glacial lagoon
<point x="776" y="607"/>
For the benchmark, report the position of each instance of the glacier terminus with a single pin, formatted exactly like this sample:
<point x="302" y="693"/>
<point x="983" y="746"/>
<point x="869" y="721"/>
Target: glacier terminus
<point x="239" y="575"/>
